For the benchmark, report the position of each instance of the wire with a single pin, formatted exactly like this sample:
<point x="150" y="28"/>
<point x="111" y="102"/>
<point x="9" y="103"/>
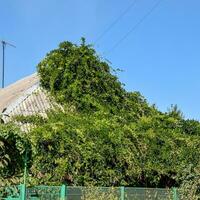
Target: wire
<point x="127" y="34"/>
<point x="116" y="21"/>
<point x="135" y="26"/>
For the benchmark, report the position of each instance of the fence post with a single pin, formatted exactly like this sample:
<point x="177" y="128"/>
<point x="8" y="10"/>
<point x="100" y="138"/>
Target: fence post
<point x="122" y="195"/>
<point x="63" y="192"/>
<point x="175" y="195"/>
<point x="22" y="192"/>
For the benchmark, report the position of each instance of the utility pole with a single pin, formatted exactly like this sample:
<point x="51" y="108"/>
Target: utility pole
<point x="4" y="43"/>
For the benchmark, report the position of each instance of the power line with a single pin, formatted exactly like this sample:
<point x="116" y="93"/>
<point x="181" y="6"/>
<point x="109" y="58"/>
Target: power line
<point x="135" y="26"/>
<point x="133" y="29"/>
<point x="116" y="21"/>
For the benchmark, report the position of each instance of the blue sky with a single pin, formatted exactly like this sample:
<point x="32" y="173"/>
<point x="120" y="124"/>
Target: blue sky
<point x="161" y="58"/>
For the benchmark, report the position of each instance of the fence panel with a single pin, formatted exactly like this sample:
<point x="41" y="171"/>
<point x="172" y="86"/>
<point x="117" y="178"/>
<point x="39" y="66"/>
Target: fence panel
<point x="43" y="193"/>
<point x="10" y="192"/>
<point x="148" y="194"/>
<point x="86" y="193"/>
<point x="92" y="193"/>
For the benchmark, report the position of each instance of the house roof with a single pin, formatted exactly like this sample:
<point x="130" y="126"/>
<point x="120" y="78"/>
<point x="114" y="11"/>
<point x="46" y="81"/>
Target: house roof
<point x="25" y="97"/>
<point x="12" y="92"/>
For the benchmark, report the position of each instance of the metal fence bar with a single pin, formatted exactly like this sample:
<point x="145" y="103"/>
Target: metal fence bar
<point x="175" y="195"/>
<point x="122" y="194"/>
<point x="22" y="192"/>
<point x="63" y="192"/>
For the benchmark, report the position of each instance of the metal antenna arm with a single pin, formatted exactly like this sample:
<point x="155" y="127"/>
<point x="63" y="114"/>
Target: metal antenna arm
<point x="4" y="43"/>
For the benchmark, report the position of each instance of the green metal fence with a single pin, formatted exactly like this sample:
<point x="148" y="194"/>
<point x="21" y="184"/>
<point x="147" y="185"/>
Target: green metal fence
<point x="13" y="192"/>
<point x="86" y="193"/>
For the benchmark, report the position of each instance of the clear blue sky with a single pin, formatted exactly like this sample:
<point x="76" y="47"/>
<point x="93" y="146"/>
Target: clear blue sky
<point x="161" y="58"/>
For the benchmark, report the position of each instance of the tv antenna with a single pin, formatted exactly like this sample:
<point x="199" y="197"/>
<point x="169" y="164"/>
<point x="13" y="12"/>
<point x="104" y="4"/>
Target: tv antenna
<point x="4" y="43"/>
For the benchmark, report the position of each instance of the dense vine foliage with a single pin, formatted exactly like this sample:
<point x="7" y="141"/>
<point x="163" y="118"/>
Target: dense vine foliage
<point x="102" y="149"/>
<point x="12" y="153"/>
<point x="103" y="135"/>
<point x="76" y="75"/>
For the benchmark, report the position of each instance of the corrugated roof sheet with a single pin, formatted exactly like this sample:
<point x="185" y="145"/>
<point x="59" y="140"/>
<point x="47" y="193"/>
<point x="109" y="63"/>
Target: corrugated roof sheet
<point x="36" y="102"/>
<point x="9" y="94"/>
<point x="24" y="97"/>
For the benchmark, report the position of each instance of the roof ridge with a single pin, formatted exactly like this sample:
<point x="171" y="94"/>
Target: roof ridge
<point x="34" y="75"/>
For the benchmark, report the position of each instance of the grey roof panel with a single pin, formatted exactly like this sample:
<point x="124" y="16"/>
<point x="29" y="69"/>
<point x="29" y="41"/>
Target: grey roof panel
<point x="14" y="91"/>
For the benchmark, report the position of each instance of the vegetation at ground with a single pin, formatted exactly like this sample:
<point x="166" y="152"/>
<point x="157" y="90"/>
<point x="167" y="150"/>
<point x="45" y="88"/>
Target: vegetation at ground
<point x="102" y="135"/>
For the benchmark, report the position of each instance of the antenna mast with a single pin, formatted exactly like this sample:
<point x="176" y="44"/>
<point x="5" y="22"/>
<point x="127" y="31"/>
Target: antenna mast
<point x="4" y="43"/>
